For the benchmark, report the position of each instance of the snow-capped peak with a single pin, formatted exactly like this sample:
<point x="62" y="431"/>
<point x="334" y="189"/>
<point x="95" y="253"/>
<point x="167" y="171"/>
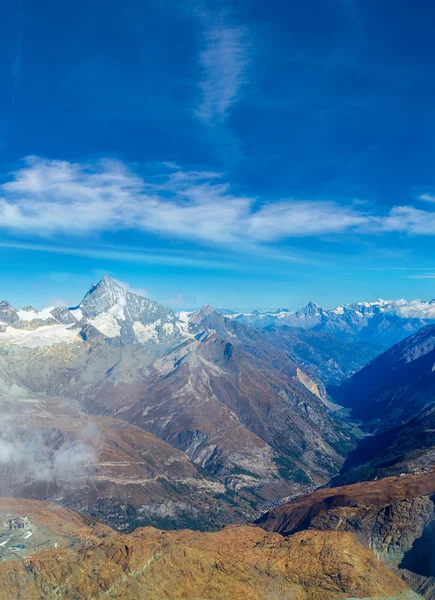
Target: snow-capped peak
<point x="310" y="310"/>
<point x="105" y="294"/>
<point x="116" y="311"/>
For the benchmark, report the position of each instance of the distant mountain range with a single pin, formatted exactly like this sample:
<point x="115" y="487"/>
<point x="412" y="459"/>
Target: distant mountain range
<point x="115" y="312"/>
<point x="384" y="322"/>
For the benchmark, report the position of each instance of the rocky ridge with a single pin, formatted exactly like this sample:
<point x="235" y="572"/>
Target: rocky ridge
<point x="243" y="562"/>
<point x="391" y="516"/>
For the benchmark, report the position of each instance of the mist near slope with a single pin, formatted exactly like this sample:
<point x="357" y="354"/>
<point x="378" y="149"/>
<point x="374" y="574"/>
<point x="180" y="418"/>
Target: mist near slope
<point x="46" y="455"/>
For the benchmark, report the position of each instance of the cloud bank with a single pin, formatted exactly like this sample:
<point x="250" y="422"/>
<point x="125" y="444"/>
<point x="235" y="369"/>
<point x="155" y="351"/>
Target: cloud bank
<point x="46" y="198"/>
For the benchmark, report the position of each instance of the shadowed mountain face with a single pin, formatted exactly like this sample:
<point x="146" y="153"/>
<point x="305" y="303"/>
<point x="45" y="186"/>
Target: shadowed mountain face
<point x="396" y="386"/>
<point x="331" y="359"/>
<point x="407" y="448"/>
<point x="393" y="397"/>
<point x="93" y="561"/>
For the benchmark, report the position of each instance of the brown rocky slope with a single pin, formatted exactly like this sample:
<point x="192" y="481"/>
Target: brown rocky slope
<point x="242" y="562"/>
<point x="115" y="471"/>
<point x="394" y="517"/>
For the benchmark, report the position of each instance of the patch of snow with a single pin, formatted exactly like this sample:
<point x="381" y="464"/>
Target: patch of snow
<point x="32" y="315"/>
<point x="107" y="324"/>
<point x="184" y="316"/>
<point x="146" y="333"/>
<point x="47" y="335"/>
<point x="77" y="313"/>
<point x="27" y="315"/>
<point x="45" y="313"/>
<point x="6" y="541"/>
<point x="183" y="322"/>
<point x="168" y="328"/>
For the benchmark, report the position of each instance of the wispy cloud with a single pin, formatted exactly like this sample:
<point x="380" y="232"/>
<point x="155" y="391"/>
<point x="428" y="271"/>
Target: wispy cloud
<point x="405" y="219"/>
<point x="122" y="255"/>
<point x="224" y="61"/>
<point x="421" y="276"/>
<point x="48" y="198"/>
<point x="427" y="197"/>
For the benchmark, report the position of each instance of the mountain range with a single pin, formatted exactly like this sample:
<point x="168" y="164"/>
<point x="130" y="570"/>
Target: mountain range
<point x="383" y="322"/>
<point x="244" y="421"/>
<point x="135" y="415"/>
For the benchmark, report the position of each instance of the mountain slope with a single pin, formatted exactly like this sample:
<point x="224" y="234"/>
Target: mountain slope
<point x="407" y="448"/>
<point x="392" y="516"/>
<point x="237" y="562"/>
<point x="229" y="385"/>
<point x="396" y="386"/>
<point x="332" y="360"/>
<point x="50" y="450"/>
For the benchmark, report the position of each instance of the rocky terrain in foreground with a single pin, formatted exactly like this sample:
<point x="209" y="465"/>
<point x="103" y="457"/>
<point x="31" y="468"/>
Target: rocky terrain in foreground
<point x="394" y="517"/>
<point x="244" y="562"/>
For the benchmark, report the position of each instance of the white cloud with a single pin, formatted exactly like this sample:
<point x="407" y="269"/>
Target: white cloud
<point x="124" y="255"/>
<point x="297" y="219"/>
<point x="427" y="197"/>
<point x="224" y="61"/>
<point x="406" y="219"/>
<point x="49" y="198"/>
<point x="42" y="455"/>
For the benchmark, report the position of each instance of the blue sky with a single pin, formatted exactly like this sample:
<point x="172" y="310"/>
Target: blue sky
<point x="242" y="154"/>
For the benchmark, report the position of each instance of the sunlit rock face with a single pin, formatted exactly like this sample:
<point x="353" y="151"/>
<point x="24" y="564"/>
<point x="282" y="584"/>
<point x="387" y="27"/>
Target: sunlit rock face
<point x="93" y="561"/>
<point x="394" y="517"/>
